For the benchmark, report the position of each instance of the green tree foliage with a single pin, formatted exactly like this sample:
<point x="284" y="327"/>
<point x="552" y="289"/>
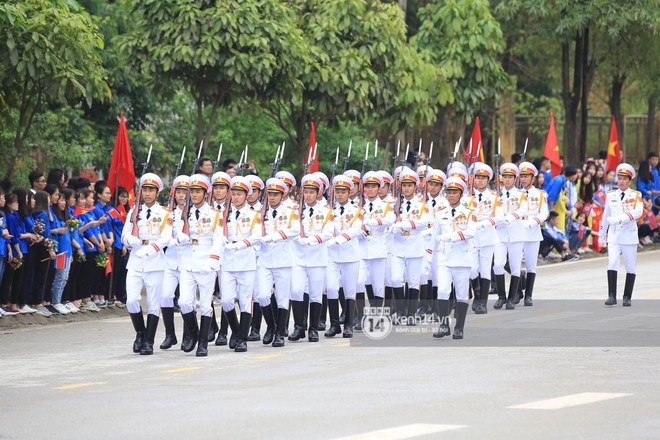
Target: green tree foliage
<point x="49" y="53"/>
<point x="465" y="39"/>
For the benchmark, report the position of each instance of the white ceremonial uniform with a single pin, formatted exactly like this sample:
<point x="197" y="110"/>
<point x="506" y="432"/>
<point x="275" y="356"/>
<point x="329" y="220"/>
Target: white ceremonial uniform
<point x="154" y="232"/>
<point x="240" y="265"/>
<point x="453" y="231"/>
<point x="511" y="230"/>
<point x="173" y="260"/>
<point x="625" y="207"/>
<point x="537" y="213"/>
<point x="276" y="256"/>
<point x="311" y="253"/>
<point x="435" y="205"/>
<point x="486" y="208"/>
<point x="344" y="258"/>
<point x="408" y="244"/>
<point x="200" y="258"/>
<point x="378" y="216"/>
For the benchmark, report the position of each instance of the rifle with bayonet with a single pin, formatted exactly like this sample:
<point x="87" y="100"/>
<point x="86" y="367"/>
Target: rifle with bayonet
<point x="138" y="202"/>
<point x="186" y="209"/>
<point x="171" y="201"/>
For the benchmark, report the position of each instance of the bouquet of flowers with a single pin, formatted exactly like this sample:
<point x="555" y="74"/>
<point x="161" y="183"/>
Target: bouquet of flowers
<point x="102" y="260"/>
<point x="74" y="224"/>
<point x="39" y="227"/>
<point x="81" y="258"/>
<point x="50" y="244"/>
<point x="16" y="263"/>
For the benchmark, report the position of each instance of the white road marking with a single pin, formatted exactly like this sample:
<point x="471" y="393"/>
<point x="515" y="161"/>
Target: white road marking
<point x="402" y="432"/>
<point x="569" y="401"/>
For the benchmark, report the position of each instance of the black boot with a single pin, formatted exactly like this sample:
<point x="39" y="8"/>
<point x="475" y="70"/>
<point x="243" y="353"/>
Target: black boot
<point x="611" y="287"/>
<point x="243" y="329"/>
<point x="476" y="302"/>
<point x="513" y="292"/>
<point x="399" y="305"/>
<point x="138" y="324"/>
<point x="484" y="287"/>
<point x="168" y="321"/>
<point x="628" y="289"/>
<point x="413" y="298"/>
<point x="443" y="313"/>
<point x="222" y="333"/>
<point x="298" y="309"/>
<point x="255" y="328"/>
<point x="461" y="313"/>
<point x="360" y="302"/>
<point x="342" y="302"/>
<point x="424" y="292"/>
<point x="186" y="336"/>
<point x="190" y="322"/>
<point x="333" y="309"/>
<point x="314" y="313"/>
<point x="203" y="343"/>
<point x="522" y="284"/>
<point x="434" y="304"/>
<point x="389" y="297"/>
<point x="150" y="335"/>
<point x="282" y="315"/>
<point x="350" y="315"/>
<point x="324" y="313"/>
<point x="501" y="293"/>
<point x="529" y="288"/>
<point x="232" y="320"/>
<point x="377" y="302"/>
<point x="213" y="328"/>
<point x="267" y="312"/>
<point x="305" y="321"/>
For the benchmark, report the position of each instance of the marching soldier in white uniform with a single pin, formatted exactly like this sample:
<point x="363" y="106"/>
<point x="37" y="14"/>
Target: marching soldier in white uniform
<point x="280" y="226"/>
<point x="310" y="259"/>
<point x="290" y="181"/>
<point x="378" y="217"/>
<point x="173" y="259"/>
<point x="354" y="196"/>
<point x="146" y="263"/>
<point x="537" y="213"/>
<point x="435" y="204"/>
<point x="220" y="181"/>
<point x="452" y="234"/>
<point x="201" y="244"/>
<point x="408" y="245"/>
<point x="511" y="230"/>
<point x="486" y="208"/>
<point x="343" y="256"/>
<point x="619" y="230"/>
<point x="239" y="265"/>
<point x="254" y="201"/>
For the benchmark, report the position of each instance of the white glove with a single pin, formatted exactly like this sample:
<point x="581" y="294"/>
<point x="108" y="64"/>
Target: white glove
<point x="172" y="243"/>
<point x="275" y="237"/>
<point x="231" y="246"/>
<point x="427" y="232"/>
<point x="267" y="239"/>
<point x="132" y="240"/>
<point x="529" y="224"/>
<point x="444" y="237"/>
<point x="395" y="230"/>
<point x="183" y="238"/>
<point x="602" y="240"/>
<point x="480" y="226"/>
<point x="145" y="251"/>
<point x="507" y="220"/>
<point x="312" y="241"/>
<point x="613" y="220"/>
<point x="426" y="267"/>
<point x="212" y="266"/>
<point x="370" y="222"/>
<point x="340" y="239"/>
<point x="223" y="240"/>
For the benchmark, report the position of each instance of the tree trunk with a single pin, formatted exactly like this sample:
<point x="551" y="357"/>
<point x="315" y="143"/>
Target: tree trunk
<point x="571" y="97"/>
<point x="506" y="128"/>
<point x="584" y="104"/>
<point x="650" y="124"/>
<point x="615" y="103"/>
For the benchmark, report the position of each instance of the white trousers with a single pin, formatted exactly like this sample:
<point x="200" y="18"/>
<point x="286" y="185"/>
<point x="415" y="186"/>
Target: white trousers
<point x="170" y="283"/>
<point x="531" y="254"/>
<point x="189" y="283"/>
<point x="311" y="278"/>
<point x="342" y="275"/>
<point x="281" y="277"/>
<point x="376" y="275"/>
<point x="629" y="252"/>
<point x="363" y="274"/>
<point x="515" y="253"/>
<point x="483" y="260"/>
<point x="407" y="270"/>
<point x="238" y="285"/>
<point x="460" y="276"/>
<point x="152" y="283"/>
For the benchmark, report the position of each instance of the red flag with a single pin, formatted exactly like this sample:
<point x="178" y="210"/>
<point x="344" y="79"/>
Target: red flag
<point x="552" y="148"/>
<point x="310" y="151"/>
<point x="121" y="171"/>
<point x="60" y="261"/>
<point x="613" y="149"/>
<point x="108" y="267"/>
<point x="79" y="211"/>
<point x="114" y="212"/>
<point x="476" y="142"/>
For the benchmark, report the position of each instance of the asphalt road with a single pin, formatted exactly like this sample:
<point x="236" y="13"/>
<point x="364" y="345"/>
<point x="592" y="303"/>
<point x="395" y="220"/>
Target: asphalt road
<point x="567" y="367"/>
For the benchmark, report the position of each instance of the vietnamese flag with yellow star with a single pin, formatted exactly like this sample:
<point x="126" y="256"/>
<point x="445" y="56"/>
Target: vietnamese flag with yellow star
<point x="613" y="149"/>
<point x="552" y="148"/>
